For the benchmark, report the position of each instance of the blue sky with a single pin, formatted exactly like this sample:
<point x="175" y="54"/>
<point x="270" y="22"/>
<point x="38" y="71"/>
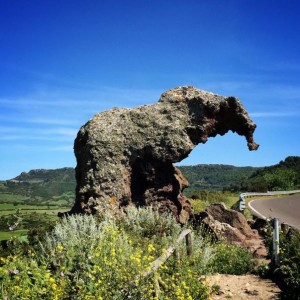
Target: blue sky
<point x="64" y="61"/>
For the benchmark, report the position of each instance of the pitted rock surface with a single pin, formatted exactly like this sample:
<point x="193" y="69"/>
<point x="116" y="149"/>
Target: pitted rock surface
<point x="127" y="155"/>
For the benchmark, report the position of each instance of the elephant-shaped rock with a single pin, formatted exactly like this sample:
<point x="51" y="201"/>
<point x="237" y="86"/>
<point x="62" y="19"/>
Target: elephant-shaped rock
<point x="127" y="155"/>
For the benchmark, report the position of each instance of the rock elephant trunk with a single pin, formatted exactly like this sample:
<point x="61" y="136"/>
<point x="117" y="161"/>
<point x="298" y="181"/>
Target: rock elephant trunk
<point x="230" y="115"/>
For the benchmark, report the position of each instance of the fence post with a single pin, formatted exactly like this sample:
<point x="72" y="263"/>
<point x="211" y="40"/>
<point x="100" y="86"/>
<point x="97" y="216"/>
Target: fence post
<point x="156" y="285"/>
<point x="177" y="254"/>
<point x="276" y="241"/>
<point x="188" y="241"/>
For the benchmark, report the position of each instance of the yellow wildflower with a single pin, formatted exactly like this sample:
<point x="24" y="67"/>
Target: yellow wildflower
<point x="151" y="248"/>
<point x="59" y="247"/>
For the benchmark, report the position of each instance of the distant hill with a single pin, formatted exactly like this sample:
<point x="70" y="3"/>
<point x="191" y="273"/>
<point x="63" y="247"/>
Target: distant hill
<point x="283" y="176"/>
<point x="215" y="176"/>
<point x="43" y="175"/>
<point x="44" y="185"/>
<point x="291" y="162"/>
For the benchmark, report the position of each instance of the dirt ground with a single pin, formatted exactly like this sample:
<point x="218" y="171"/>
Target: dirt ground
<point x="244" y="287"/>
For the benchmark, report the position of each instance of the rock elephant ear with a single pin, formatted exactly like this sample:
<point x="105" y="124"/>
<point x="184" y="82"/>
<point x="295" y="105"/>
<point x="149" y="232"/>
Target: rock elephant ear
<point x="125" y="156"/>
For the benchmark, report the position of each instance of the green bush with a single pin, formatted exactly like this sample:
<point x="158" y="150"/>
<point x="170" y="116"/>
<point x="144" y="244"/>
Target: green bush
<point x="149" y="223"/>
<point x="231" y="259"/>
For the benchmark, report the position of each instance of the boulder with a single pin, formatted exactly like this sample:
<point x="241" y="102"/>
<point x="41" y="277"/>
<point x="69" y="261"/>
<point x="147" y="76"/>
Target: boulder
<point x="231" y="226"/>
<point x="237" y="220"/>
<point x="126" y="156"/>
<point x="219" y="230"/>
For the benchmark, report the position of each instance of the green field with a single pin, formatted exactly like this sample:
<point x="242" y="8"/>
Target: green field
<point x="11" y="198"/>
<point x="26" y="207"/>
<point x="26" y="215"/>
<point x="38" y="210"/>
<point x="32" y="204"/>
<point x="10" y="207"/>
<point x="20" y="234"/>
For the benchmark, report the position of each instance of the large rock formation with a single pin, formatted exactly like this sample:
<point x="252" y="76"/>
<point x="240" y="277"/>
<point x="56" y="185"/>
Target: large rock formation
<point x="126" y="156"/>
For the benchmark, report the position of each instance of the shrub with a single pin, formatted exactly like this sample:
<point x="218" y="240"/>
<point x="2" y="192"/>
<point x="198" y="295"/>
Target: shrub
<point x="150" y="224"/>
<point x="231" y="259"/>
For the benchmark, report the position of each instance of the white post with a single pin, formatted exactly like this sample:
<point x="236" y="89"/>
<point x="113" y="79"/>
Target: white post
<point x="276" y="241"/>
<point x="242" y="203"/>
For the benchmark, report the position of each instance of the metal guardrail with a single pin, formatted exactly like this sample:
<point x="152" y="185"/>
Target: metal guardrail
<point x="275" y="221"/>
<point x="242" y="202"/>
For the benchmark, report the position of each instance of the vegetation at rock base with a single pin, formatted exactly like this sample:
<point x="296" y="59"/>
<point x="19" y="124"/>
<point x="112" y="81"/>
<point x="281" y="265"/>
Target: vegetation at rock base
<point x="37" y="268"/>
<point x="85" y="257"/>
<point x="231" y="259"/>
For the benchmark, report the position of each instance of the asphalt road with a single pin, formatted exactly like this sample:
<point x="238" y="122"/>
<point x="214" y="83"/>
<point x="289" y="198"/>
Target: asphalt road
<point x="286" y="209"/>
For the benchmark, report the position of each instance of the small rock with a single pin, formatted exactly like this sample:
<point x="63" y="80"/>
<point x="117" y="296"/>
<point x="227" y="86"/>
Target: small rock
<point x="252" y="292"/>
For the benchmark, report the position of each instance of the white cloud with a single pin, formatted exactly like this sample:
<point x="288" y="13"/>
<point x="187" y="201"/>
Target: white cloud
<point x="277" y="114"/>
<point x="84" y="97"/>
<point x="46" y="134"/>
<point x="61" y="131"/>
<point x="67" y="148"/>
<point x="50" y="121"/>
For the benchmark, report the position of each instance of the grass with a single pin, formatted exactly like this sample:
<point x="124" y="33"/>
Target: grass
<point x="24" y="207"/>
<point x="11" y="198"/>
<point x="33" y="211"/>
<point x="38" y="211"/>
<point x="20" y="234"/>
<point x="29" y="215"/>
<point x="208" y="197"/>
<point x="65" y="199"/>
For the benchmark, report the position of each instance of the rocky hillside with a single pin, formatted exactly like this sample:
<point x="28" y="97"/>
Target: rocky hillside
<point x="43" y="175"/>
<point x="42" y="184"/>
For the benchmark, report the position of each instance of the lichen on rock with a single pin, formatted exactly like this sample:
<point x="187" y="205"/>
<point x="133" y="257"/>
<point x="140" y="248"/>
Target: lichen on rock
<point x="127" y="154"/>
